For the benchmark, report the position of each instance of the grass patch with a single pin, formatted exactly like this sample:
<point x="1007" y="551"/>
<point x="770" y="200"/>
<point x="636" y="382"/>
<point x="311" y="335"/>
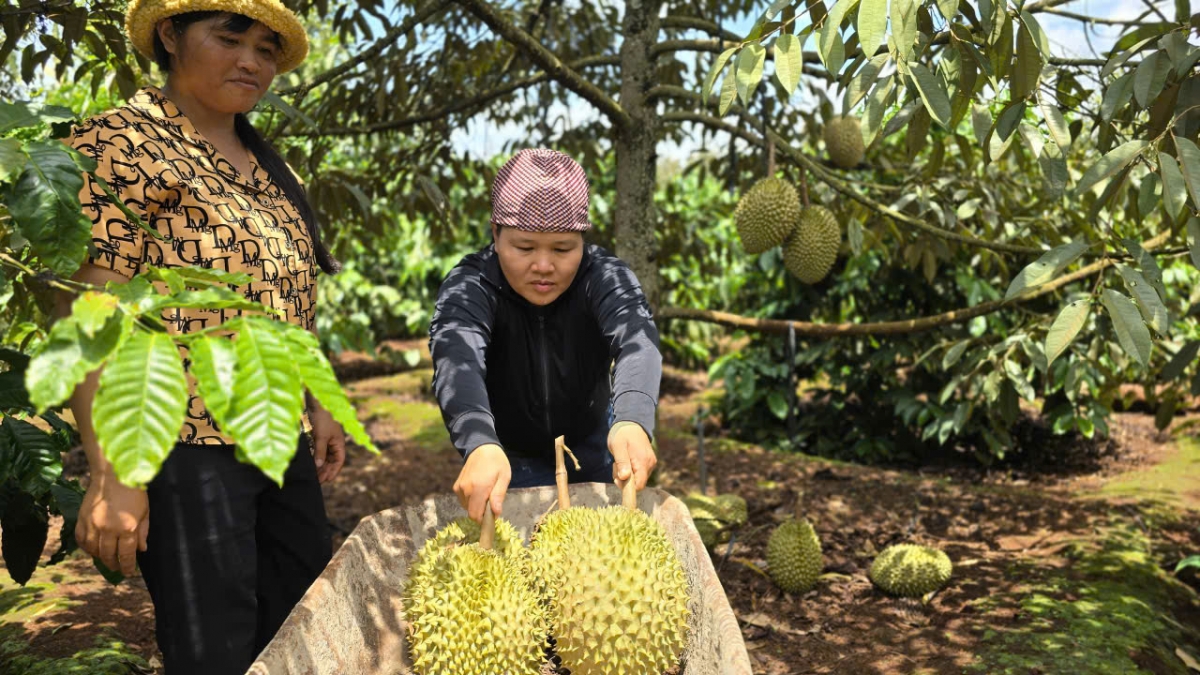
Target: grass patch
<point x="1109" y="612"/>
<point x="107" y="657"/>
<point x="1171" y="482"/>
<point x="419" y="422"/>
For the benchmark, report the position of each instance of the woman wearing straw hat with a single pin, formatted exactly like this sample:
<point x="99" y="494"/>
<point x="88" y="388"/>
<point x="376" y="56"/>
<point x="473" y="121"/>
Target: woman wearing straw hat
<point x="540" y="335"/>
<point x="225" y="552"/>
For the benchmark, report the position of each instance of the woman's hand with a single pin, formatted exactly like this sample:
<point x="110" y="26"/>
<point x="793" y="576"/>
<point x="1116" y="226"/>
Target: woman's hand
<point x="633" y="454"/>
<point x="485" y="475"/>
<point x="114" y="520"/>
<point x="329" y="444"/>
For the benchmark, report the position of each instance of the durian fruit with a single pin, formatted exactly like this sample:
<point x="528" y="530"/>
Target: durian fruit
<point x="618" y="595"/>
<point x="794" y="556"/>
<point x="813" y="247"/>
<point x="767" y="214"/>
<point x="472" y="611"/>
<point x="911" y="571"/>
<point x="734" y="508"/>
<point x="844" y="141"/>
<point x="619" y="605"/>
<point x="714" y="517"/>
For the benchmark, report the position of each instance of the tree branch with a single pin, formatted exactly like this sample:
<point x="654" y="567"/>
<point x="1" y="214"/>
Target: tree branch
<point x="702" y="25"/>
<point x="548" y="61"/>
<point x="716" y="47"/>
<point x="371" y="52"/>
<point x="906" y="326"/>
<point x="1091" y="19"/>
<point x="479" y="99"/>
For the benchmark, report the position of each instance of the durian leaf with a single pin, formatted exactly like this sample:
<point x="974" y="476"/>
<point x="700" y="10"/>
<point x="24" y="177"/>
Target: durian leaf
<point x="1065" y="328"/>
<point x="789" y="61"/>
<point x="718" y="66"/>
<point x="1045" y="268"/>
<point x="1131" y="331"/>
<point x="831" y="49"/>
<point x="1174" y="187"/>
<point x="863" y="81"/>
<point x="1149" y="78"/>
<point x="1148" y="265"/>
<point x="1057" y="125"/>
<point x="954" y="354"/>
<point x="1027" y="68"/>
<point x="948" y="8"/>
<point x="1116" y="95"/>
<point x="872" y="25"/>
<point x="749" y="70"/>
<point x="933" y="93"/>
<point x="1118" y="158"/>
<point x="1193" y="234"/>
<point x="1152" y="309"/>
<point x="903" y="14"/>
<point x="140" y="406"/>
<point x="1189" y="158"/>
<point x="728" y="92"/>
<point x="1179" y="363"/>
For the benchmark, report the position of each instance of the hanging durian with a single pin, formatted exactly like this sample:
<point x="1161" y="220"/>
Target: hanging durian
<point x="813" y="247"/>
<point x="767" y="214"/>
<point x="909" y="570"/>
<point x="844" y="141"/>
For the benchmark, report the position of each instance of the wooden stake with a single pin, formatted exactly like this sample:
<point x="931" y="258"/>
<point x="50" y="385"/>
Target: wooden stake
<point x="629" y="494"/>
<point x="487" y="530"/>
<point x="560" y="472"/>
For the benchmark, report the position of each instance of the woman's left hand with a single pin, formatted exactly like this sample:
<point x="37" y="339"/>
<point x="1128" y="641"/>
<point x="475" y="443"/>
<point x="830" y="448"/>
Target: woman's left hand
<point x="633" y="455"/>
<point x="329" y="444"/>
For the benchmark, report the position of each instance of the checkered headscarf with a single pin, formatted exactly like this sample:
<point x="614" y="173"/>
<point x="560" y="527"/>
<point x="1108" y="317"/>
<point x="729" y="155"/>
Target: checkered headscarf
<point x="541" y="191"/>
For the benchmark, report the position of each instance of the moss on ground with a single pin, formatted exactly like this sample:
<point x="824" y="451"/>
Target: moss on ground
<point x="107" y="657"/>
<point x="419" y="422"/>
<point x="1171" y="482"/>
<point x="1110" y="611"/>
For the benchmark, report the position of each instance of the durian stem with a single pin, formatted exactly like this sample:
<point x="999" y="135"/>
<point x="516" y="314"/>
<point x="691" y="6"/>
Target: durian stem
<point x="629" y="494"/>
<point x="487" y="530"/>
<point x="803" y="185"/>
<point x="560" y="473"/>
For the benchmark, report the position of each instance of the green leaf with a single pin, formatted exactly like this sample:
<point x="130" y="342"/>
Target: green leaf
<point x="24" y="524"/>
<point x="214" y="361"/>
<point x="1116" y="96"/>
<point x="904" y="28"/>
<point x="317" y="374"/>
<point x="21" y="114"/>
<point x="728" y="92"/>
<point x="954" y="354"/>
<point x="67" y="356"/>
<point x="1045" y="268"/>
<point x="67" y="498"/>
<point x="1127" y="322"/>
<point x="933" y="93"/>
<point x="1015" y="375"/>
<point x="1027" y="68"/>
<point x="1148" y="302"/>
<point x="1189" y="158"/>
<point x="872" y="25"/>
<point x="749" y="68"/>
<point x="1054" y="170"/>
<point x="778" y="405"/>
<point x="1148" y="265"/>
<point x="91" y="310"/>
<point x="789" y="61"/>
<point x="1190" y="561"/>
<point x="1148" y="195"/>
<point x="1065" y="328"/>
<point x="208" y="298"/>
<point x="718" y="66"/>
<point x="264" y="415"/>
<point x="830" y="47"/>
<point x="863" y="80"/>
<point x="1056" y="124"/>
<point x="12" y="160"/>
<point x="273" y="99"/>
<point x="1116" y="159"/>
<point x="948" y="8"/>
<point x="876" y="107"/>
<point x="1193" y="233"/>
<point x="1179" y="363"/>
<point x="199" y="276"/>
<point x="1174" y="187"/>
<point x="34" y="459"/>
<point x="1149" y="78"/>
<point x="141" y="406"/>
<point x="44" y="204"/>
<point x="1166" y="412"/>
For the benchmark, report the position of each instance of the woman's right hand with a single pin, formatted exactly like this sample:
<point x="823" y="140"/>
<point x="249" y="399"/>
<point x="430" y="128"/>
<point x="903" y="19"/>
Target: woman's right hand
<point x="114" y="520"/>
<point x="485" y="475"/>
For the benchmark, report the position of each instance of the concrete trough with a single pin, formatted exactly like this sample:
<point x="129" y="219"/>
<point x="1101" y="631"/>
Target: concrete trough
<point x="351" y="621"/>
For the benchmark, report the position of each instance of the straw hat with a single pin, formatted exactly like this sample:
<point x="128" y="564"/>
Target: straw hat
<point x="144" y="15"/>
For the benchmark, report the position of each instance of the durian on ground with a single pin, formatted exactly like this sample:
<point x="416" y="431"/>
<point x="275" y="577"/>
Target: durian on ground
<point x="472" y="611"/>
<point x="794" y="558"/>
<point x="909" y="570"/>
<point x="618" y="594"/>
<point x="715" y="516"/>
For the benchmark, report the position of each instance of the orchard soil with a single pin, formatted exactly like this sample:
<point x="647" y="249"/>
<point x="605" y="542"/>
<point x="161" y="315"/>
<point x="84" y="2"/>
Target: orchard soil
<point x="1063" y="561"/>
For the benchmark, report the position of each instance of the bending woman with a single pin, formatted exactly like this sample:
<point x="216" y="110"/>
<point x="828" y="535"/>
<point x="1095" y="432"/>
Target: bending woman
<point x="541" y="335"/>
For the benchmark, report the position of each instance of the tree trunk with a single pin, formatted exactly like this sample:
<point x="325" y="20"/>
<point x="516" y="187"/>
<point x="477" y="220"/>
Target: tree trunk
<point x="637" y="156"/>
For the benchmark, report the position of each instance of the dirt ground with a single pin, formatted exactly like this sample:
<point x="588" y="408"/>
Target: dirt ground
<point x="1065" y="571"/>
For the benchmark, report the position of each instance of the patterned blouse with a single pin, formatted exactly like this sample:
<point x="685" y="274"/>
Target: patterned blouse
<point x="164" y="170"/>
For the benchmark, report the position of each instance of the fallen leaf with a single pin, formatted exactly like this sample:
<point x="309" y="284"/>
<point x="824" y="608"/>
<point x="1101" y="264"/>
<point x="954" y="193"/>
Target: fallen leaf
<point x="1187" y="659"/>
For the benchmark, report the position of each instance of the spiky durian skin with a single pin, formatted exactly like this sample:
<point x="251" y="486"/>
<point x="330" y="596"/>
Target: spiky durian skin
<point x="812" y="249"/>
<point x="911" y="571"/>
<point x="714" y="516"/>
<point x="844" y="141"/>
<point x="474" y="612"/>
<point x="794" y="556"/>
<point x="767" y="214"/>
<point x="620" y="602"/>
<point x="551" y="539"/>
<point x="733" y="508"/>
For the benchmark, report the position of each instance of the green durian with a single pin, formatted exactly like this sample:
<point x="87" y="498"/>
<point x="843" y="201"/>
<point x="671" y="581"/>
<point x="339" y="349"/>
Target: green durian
<point x="471" y="611"/>
<point x="767" y="214"/>
<point x="813" y="247"/>
<point x="733" y="508"/>
<point x="794" y="556"/>
<point x="844" y="141"/>
<point x="909" y="570"/>
<point x="620" y="596"/>
<point x="715" y="516"/>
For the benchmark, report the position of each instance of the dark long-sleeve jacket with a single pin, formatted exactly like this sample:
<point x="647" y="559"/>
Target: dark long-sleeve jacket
<point x="518" y="375"/>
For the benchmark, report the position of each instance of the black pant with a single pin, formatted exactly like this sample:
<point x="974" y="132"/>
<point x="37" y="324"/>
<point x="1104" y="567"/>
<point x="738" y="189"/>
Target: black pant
<point x="229" y="555"/>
